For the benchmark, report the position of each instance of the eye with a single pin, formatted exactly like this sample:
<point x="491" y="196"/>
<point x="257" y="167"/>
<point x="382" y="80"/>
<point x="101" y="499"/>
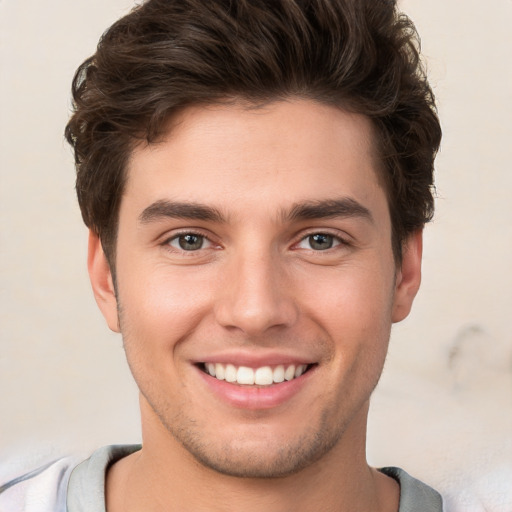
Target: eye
<point x="189" y="242"/>
<point x="319" y="242"/>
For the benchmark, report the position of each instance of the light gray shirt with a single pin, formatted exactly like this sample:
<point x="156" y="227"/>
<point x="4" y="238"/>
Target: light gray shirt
<point x="44" y="490"/>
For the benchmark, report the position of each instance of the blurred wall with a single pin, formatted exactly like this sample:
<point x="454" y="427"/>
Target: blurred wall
<point x="445" y="400"/>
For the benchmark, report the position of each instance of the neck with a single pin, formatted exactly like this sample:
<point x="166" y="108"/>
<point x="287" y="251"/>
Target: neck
<point x="165" y="476"/>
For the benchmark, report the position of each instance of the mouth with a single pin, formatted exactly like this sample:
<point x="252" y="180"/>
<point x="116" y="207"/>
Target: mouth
<point x="261" y="377"/>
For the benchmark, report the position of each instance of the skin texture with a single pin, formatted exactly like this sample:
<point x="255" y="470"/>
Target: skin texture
<point x="258" y="290"/>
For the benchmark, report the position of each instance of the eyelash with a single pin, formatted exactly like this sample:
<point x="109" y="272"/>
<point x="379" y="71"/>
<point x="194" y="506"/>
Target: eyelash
<point x="181" y="234"/>
<point x="337" y="241"/>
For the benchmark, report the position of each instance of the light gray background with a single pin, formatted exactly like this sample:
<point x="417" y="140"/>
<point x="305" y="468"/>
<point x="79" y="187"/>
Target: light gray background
<point x="444" y="407"/>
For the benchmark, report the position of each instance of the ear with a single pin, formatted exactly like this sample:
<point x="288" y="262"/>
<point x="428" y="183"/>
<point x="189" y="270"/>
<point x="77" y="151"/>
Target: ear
<point x="408" y="276"/>
<point x="102" y="282"/>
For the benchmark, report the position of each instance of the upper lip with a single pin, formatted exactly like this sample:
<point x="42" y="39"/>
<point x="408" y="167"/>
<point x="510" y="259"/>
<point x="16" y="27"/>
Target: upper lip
<point x="252" y="360"/>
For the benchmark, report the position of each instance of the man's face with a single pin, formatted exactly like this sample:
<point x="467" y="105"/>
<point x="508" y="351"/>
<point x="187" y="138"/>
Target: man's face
<point x="256" y="284"/>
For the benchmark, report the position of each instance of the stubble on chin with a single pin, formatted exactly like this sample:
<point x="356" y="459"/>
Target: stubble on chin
<point x="242" y="457"/>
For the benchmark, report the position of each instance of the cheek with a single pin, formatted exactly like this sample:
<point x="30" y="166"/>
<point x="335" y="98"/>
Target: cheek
<point x="162" y="307"/>
<point x="155" y="315"/>
<point x="350" y="299"/>
<point x="354" y="310"/>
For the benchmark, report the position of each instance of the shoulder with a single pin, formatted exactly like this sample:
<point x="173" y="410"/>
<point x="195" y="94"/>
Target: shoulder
<point x="415" y="496"/>
<point x="86" y="489"/>
<point x="39" y="490"/>
<point x="54" y="486"/>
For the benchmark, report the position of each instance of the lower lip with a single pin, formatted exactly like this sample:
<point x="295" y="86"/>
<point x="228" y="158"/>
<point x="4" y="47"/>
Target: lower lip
<point x="253" y="397"/>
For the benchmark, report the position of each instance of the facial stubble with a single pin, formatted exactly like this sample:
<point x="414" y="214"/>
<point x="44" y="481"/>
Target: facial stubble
<point x="239" y="456"/>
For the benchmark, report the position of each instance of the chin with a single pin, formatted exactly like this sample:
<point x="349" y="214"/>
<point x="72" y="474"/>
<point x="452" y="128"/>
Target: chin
<point x="260" y="453"/>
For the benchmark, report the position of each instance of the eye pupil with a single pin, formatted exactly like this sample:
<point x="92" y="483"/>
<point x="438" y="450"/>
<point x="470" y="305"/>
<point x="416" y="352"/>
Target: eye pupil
<point x="190" y="242"/>
<point x="321" y="241"/>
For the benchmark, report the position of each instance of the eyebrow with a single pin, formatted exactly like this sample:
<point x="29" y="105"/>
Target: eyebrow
<point x="163" y="209"/>
<point x="325" y="209"/>
<point x="308" y="210"/>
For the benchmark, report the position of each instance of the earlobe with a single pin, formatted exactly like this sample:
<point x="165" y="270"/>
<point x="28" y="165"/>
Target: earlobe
<point x="408" y="276"/>
<point x="102" y="282"/>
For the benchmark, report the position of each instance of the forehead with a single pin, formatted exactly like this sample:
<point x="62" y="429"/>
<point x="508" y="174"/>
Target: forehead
<point x="278" y="154"/>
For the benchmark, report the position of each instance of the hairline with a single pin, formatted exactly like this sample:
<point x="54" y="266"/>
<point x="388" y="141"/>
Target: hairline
<point x="250" y="103"/>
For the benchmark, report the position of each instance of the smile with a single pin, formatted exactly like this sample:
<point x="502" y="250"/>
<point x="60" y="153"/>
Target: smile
<point x="262" y="376"/>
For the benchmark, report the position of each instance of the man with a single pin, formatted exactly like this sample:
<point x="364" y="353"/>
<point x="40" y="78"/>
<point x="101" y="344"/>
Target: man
<point x="255" y="176"/>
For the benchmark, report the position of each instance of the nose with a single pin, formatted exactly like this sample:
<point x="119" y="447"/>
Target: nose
<point x="256" y="295"/>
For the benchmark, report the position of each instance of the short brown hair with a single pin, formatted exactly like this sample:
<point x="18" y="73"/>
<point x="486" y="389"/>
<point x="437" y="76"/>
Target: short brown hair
<point x="361" y="55"/>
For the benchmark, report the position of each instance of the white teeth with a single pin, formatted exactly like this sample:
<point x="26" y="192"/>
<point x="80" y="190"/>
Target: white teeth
<point x="219" y="371"/>
<point x="230" y="373"/>
<point x="300" y="370"/>
<point x="245" y="375"/>
<point x="263" y="376"/>
<point x="289" y="374"/>
<point x="278" y="375"/>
